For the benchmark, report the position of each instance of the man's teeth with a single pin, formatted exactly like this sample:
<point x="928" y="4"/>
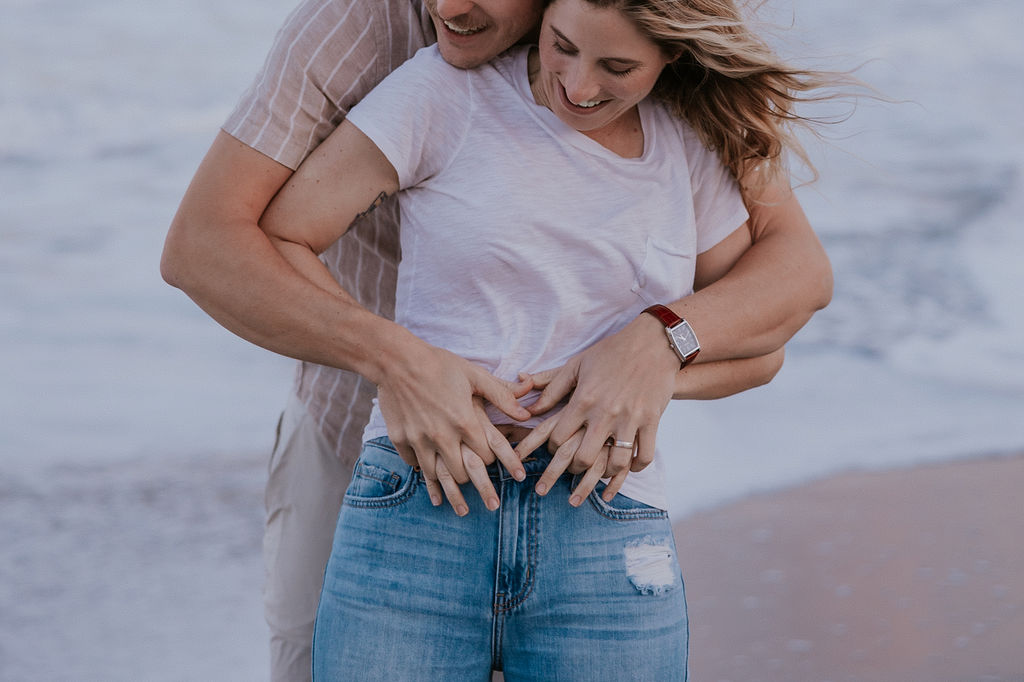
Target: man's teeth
<point x="461" y="31"/>
<point x="588" y="104"/>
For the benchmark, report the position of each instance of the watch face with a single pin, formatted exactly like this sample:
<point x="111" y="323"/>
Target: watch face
<point x="684" y="339"/>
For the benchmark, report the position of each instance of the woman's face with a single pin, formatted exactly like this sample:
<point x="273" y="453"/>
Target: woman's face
<point x="595" y="64"/>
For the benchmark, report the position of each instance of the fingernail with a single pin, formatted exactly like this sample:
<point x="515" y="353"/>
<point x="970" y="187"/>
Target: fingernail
<point x="435" y="500"/>
<point x="462" y="510"/>
<point x="492" y="503"/>
<point x="575" y="500"/>
<point x="541" y="488"/>
<point x="519" y="475"/>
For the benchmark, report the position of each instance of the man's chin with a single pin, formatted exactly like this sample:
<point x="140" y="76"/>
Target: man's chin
<point x="463" y="58"/>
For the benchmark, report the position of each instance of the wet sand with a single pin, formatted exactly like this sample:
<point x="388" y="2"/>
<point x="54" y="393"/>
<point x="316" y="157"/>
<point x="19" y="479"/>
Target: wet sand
<point x="898" y="576"/>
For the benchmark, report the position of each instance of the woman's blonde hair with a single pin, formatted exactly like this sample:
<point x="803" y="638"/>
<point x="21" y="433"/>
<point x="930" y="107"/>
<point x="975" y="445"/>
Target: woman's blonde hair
<point x="728" y="84"/>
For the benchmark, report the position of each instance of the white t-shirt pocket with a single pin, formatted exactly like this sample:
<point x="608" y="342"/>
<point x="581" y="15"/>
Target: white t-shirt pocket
<point x="666" y="272"/>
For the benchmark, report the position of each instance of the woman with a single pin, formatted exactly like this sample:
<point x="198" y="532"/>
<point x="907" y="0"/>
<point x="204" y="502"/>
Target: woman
<point x="547" y="202"/>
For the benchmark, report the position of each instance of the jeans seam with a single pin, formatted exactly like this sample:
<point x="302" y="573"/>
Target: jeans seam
<point x="496" y="613"/>
<point x="504" y="606"/>
<point x="497" y="633"/>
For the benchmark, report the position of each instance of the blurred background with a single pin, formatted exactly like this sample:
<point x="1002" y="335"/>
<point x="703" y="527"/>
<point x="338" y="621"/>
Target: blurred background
<point x="134" y="431"/>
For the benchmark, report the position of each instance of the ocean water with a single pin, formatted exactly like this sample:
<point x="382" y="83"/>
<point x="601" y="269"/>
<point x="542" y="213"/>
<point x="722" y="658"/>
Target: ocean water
<point x="135" y="430"/>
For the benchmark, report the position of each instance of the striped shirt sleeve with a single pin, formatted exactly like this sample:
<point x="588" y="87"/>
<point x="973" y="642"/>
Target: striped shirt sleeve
<point x="326" y="57"/>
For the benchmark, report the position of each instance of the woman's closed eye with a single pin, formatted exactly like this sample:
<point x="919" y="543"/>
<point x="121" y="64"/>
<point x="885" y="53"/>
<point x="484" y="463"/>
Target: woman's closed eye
<point x="618" y="70"/>
<point x="614" y="70"/>
<point x="563" y="49"/>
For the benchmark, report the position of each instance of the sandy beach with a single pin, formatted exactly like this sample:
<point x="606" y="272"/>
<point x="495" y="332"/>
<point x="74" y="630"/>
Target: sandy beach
<point x="908" y="575"/>
<point x="897" y="576"/>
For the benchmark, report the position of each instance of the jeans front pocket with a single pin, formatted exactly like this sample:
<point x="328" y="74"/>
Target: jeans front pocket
<point x="623" y="508"/>
<point x="381" y="477"/>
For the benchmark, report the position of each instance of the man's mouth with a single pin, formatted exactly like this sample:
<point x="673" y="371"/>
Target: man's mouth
<point x="462" y="30"/>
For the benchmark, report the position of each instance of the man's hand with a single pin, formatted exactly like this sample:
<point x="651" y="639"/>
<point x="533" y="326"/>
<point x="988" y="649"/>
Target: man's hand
<point x="620" y="387"/>
<point x="433" y="406"/>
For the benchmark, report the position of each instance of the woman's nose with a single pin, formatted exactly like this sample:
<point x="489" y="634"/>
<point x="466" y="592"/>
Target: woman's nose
<point x="581" y="86"/>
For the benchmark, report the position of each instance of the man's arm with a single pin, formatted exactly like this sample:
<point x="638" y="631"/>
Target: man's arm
<point x="216" y="252"/>
<point x="772" y="290"/>
<point x="723" y="378"/>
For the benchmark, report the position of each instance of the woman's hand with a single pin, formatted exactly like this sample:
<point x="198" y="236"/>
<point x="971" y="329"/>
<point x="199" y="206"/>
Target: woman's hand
<point x="433" y="405"/>
<point x="604" y="466"/>
<point x="620" y="387"/>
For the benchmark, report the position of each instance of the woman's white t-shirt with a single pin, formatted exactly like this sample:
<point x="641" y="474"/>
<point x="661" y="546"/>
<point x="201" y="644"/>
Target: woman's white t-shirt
<point x="523" y="240"/>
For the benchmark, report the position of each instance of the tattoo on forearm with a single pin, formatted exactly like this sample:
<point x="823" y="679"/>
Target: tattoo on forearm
<point x="369" y="209"/>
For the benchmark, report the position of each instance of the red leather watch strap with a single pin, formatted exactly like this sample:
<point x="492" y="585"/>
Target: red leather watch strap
<point x="665" y="314"/>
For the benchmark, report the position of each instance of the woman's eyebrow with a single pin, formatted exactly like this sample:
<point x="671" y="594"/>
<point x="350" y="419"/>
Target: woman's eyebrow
<point x="561" y="36"/>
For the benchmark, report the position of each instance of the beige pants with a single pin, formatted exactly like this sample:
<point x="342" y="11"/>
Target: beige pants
<point x="305" y="484"/>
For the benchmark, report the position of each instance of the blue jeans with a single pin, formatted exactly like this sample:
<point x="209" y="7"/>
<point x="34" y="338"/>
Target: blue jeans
<point x="539" y="589"/>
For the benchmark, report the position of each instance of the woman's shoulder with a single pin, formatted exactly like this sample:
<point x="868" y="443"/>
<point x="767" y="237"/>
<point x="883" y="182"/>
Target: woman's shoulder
<point x="686" y="136"/>
<point x="663" y="116"/>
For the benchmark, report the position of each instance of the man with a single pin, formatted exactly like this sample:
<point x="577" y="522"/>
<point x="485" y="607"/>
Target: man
<point x="328" y="55"/>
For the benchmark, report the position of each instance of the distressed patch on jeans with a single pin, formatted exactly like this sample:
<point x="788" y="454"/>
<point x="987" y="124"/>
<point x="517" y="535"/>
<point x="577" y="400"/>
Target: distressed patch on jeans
<point x="650" y="565"/>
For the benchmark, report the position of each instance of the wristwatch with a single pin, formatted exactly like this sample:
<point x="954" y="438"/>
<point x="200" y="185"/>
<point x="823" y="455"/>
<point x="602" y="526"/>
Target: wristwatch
<point x="681" y="338"/>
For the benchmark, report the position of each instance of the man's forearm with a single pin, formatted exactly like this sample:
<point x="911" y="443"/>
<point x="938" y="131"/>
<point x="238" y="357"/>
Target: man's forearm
<point x="237" y="277"/>
<point x="722" y="378"/>
<point x="217" y="254"/>
<point x="771" y="291"/>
